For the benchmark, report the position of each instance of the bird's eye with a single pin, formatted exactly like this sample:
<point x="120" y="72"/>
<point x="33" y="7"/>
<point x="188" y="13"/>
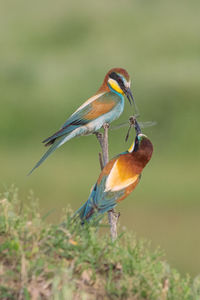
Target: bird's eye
<point x="117" y="78"/>
<point x="113" y="75"/>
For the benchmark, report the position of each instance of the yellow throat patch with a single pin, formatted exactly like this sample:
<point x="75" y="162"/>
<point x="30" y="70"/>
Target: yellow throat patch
<point x="115" y="86"/>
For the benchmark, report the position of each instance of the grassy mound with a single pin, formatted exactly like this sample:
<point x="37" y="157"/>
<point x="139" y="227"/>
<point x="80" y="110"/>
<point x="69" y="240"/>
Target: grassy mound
<point x="44" y="261"/>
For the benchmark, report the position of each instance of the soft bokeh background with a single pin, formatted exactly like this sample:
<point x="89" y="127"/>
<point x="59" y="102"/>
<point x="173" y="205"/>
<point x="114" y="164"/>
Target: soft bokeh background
<point x="54" y="55"/>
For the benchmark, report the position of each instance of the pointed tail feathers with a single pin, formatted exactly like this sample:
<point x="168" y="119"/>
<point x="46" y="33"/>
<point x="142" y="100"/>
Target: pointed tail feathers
<point x="85" y="212"/>
<point x="89" y="209"/>
<point x="81" y="212"/>
<point x="59" y="142"/>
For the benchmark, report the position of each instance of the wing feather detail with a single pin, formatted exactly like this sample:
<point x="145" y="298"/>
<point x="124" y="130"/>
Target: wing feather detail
<point x="89" y="101"/>
<point x="93" y="108"/>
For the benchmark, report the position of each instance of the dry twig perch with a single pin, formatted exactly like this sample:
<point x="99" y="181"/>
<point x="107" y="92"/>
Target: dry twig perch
<point x="103" y="159"/>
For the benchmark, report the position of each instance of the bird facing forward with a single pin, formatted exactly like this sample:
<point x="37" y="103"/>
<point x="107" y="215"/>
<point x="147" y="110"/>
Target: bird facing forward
<point x="104" y="107"/>
<point x="118" y="179"/>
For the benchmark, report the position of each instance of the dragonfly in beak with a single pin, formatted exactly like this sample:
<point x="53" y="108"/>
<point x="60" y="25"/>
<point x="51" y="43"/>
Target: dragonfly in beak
<point x="134" y="123"/>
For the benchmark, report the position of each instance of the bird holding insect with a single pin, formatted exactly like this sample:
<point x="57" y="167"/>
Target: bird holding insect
<point x="118" y="178"/>
<point x="104" y="107"/>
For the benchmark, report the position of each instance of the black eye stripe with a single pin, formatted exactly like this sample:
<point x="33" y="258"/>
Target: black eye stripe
<point x="116" y="77"/>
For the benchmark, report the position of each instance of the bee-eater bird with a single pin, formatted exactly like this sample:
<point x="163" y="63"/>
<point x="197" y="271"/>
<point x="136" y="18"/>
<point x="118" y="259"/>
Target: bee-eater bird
<point x="104" y="107"/>
<point x="118" y="179"/>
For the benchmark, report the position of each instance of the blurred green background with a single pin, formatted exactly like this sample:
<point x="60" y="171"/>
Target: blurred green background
<point x="54" y="55"/>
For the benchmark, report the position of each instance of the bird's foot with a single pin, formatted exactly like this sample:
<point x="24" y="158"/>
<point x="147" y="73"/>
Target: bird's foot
<point x="106" y="125"/>
<point x="116" y="214"/>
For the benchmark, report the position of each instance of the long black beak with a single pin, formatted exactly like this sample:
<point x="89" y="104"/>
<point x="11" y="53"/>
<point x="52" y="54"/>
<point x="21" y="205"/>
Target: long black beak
<point x="130" y="98"/>
<point x="137" y="127"/>
<point x="129" y="95"/>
